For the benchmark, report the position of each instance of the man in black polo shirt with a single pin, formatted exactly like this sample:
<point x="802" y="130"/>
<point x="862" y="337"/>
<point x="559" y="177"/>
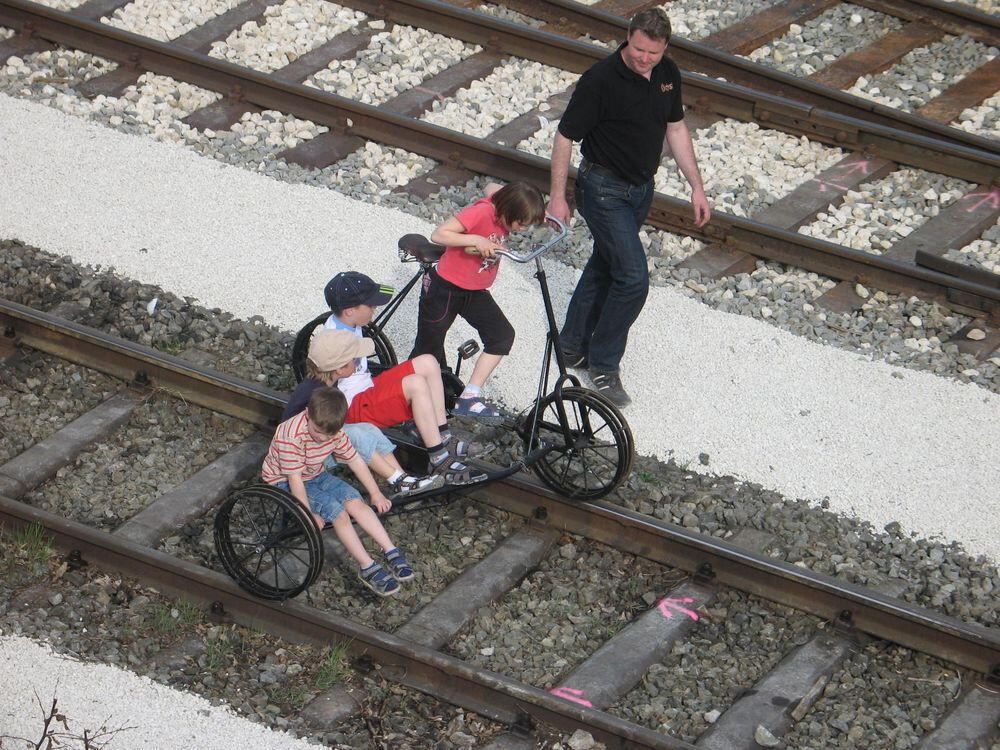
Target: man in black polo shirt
<point x="620" y="109"/>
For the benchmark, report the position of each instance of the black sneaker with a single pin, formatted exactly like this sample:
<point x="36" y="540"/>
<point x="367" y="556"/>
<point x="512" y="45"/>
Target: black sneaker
<point x="575" y="360"/>
<point x="609" y="385"/>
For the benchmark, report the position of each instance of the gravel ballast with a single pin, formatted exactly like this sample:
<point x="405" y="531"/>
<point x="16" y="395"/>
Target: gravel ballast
<point x="765" y="405"/>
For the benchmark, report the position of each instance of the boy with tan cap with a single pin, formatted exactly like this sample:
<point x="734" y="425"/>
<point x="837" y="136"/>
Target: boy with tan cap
<point x="375" y="448"/>
<point x="410" y="390"/>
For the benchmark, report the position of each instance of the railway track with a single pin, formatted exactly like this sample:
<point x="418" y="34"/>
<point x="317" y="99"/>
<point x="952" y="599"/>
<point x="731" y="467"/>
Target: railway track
<point x="722" y="53"/>
<point x="700" y="574"/>
<point x="913" y="264"/>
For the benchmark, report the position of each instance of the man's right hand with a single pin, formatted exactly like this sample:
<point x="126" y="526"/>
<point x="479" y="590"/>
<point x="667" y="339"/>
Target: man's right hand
<point x="559" y="208"/>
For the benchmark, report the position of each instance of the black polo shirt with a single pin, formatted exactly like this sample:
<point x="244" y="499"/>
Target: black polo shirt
<point x="621" y="117"/>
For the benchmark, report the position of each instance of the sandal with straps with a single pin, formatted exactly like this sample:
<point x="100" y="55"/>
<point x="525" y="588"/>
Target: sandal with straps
<point x="408" y="485"/>
<point x="457" y="473"/>
<point x="476" y="408"/>
<point x="470" y="448"/>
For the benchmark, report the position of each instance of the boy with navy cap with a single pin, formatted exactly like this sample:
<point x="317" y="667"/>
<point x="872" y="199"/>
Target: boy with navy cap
<point x="410" y="390"/>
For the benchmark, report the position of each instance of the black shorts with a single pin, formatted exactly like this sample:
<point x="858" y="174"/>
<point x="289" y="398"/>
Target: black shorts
<point x="441" y="302"/>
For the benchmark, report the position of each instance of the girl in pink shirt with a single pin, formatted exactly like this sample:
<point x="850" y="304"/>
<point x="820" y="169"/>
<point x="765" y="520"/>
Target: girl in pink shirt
<point x="459" y="286"/>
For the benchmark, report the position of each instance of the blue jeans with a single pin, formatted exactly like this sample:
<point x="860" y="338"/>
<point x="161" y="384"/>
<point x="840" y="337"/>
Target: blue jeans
<point x="367" y="440"/>
<point x="615" y="281"/>
<point x="326" y="494"/>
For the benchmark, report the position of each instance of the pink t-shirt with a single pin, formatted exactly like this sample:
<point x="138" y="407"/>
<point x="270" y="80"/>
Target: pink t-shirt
<point x="471" y="271"/>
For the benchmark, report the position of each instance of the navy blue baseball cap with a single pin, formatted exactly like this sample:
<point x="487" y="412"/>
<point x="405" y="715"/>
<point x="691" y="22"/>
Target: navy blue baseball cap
<point x="350" y="288"/>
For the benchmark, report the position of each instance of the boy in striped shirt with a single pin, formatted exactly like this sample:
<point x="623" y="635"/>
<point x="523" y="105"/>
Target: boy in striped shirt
<point x="296" y="461"/>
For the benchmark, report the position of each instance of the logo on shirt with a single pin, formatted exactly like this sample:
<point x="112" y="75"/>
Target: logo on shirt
<point x="665" y="87"/>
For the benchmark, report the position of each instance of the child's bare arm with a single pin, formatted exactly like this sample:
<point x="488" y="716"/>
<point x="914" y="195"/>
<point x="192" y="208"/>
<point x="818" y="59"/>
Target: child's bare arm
<point x="298" y="489"/>
<point x="453" y="234"/>
<point x="492" y="188"/>
<point x="364" y="475"/>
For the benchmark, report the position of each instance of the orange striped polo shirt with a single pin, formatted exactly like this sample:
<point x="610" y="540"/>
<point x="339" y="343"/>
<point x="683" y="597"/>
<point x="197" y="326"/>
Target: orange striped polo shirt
<point x="293" y="451"/>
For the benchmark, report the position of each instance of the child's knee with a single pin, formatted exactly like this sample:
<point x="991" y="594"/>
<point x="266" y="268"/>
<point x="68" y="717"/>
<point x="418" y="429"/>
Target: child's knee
<point x="500" y="344"/>
<point x="355" y="505"/>
<point x="425" y="363"/>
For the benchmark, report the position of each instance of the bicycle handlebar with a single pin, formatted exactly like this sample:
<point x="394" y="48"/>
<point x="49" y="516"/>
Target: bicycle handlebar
<point x="560" y="229"/>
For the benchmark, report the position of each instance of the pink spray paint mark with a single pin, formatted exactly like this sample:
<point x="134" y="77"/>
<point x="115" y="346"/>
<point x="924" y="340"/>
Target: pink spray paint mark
<point x="992" y="197"/>
<point x="670" y="605"/>
<point x="826" y="185"/>
<point x="862" y="165"/>
<point x="571" y="694"/>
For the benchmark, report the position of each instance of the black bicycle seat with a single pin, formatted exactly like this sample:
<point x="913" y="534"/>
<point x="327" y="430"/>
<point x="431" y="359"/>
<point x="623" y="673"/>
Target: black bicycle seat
<point x="419" y="247"/>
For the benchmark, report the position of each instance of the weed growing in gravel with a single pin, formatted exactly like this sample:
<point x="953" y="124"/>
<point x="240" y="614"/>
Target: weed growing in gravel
<point x="293" y="696"/>
<point x="25" y="553"/>
<point x="169" y="344"/>
<point x="34" y="544"/>
<point x="333" y="667"/>
<point x="217" y="653"/>
<point x="171" y="615"/>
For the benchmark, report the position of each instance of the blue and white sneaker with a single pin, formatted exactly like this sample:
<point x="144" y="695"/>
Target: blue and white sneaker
<point x="400" y="567"/>
<point x="375" y="578"/>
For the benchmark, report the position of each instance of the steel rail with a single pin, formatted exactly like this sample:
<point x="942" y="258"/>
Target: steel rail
<point x="948" y="638"/>
<point x="972" y="646"/>
<point x="699" y="57"/>
<point x="133" y="362"/>
<point x="445" y="677"/>
<point x="457" y="149"/>
<point x="725" y="99"/>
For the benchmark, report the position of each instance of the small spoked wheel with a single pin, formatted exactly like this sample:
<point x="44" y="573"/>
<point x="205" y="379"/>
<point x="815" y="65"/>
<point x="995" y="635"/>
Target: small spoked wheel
<point x="596" y="454"/>
<point x="268" y="542"/>
<point x="383" y="358"/>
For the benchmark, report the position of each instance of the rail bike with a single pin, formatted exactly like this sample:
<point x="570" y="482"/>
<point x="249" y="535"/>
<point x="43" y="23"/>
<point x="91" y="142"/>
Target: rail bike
<point x="575" y="440"/>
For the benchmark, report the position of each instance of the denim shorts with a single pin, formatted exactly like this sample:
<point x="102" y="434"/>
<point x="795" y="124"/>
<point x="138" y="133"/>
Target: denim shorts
<point x="367" y="440"/>
<point x="327" y="494"/>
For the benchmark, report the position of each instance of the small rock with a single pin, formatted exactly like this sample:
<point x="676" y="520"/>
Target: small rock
<point x="916" y="322"/>
<point x="581" y="740"/>
<point x="976" y="334"/>
<point x="763" y="737"/>
<point x="861" y="291"/>
<point x="56" y="599"/>
<point x="712" y="716"/>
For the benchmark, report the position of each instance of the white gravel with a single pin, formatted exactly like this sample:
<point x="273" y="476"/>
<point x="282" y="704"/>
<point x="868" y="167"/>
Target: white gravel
<point x="811" y="46"/>
<point x="924" y="73"/>
<point x="983" y="120"/>
<point x="288" y="32"/>
<point x="699" y="18"/>
<point x="515" y="87"/>
<point x="101" y="698"/>
<point x="61" y="4"/>
<point x="880" y="213"/>
<point x="809" y="421"/>
<point x="394" y="61"/>
<point x="744" y="167"/>
<point x="166" y="19"/>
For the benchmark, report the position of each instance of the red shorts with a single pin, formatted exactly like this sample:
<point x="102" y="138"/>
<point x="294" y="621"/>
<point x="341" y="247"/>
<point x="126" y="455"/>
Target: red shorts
<point x="384" y="404"/>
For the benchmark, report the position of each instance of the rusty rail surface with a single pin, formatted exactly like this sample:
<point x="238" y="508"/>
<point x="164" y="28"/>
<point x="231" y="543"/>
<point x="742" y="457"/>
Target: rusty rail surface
<point x="344" y="116"/>
<point x="947" y="638"/>
<point x="699" y="57"/>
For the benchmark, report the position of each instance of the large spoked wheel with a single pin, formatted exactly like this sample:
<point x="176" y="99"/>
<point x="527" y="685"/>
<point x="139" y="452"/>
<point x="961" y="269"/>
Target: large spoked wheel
<point x="268" y="542"/>
<point x="383" y="358"/>
<point x="598" y="455"/>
